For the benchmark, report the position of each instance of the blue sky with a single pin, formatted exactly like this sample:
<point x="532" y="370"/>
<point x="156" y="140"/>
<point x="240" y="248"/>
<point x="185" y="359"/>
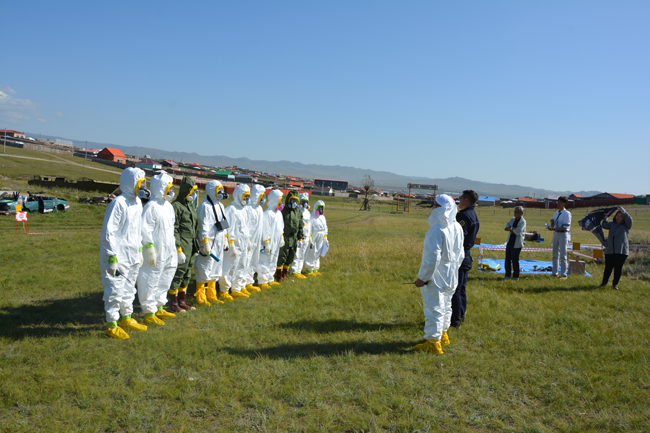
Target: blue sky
<point x="551" y="94"/>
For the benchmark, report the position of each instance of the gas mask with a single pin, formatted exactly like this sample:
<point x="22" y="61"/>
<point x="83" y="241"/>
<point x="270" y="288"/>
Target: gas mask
<point x="320" y="211"/>
<point x="193" y="196"/>
<point x="246" y="199"/>
<point x="262" y="201"/>
<point x="221" y="195"/>
<point x="293" y="205"/>
<point x="305" y="205"/>
<point x="141" y="187"/>
<point x="169" y="193"/>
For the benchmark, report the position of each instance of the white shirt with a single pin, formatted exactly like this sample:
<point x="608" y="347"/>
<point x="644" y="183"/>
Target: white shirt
<point x="562" y="219"/>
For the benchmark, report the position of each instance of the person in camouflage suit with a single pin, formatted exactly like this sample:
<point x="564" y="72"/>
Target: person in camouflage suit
<point x="186" y="243"/>
<point x="293" y="236"/>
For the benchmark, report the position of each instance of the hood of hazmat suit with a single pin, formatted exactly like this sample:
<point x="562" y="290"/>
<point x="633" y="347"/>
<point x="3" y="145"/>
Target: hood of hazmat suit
<point x="186" y="218"/>
<point x="443" y="249"/>
<point x="293" y="222"/>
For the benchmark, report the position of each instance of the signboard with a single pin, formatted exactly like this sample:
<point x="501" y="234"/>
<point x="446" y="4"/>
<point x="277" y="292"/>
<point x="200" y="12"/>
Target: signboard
<point x="421" y="186"/>
<point x="21" y="216"/>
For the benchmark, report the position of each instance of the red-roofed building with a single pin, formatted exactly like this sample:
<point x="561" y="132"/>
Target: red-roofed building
<point x="12" y="133"/>
<point x="525" y="199"/>
<point x="110" y="154"/>
<point x="609" y="195"/>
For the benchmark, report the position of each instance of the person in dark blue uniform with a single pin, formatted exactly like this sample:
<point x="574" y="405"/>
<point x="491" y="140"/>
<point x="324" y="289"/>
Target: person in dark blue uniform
<point x="468" y="220"/>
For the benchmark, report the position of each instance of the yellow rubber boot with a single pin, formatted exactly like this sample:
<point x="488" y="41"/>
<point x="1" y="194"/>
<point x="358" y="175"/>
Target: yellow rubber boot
<point x="211" y="293"/>
<point x="116" y="332"/>
<point x="430" y="346"/>
<point x="445" y="339"/>
<point x="200" y="294"/>
<point x="128" y="322"/>
<point x="264" y="286"/>
<point x="238" y="294"/>
<point x="311" y="274"/>
<point x="245" y="291"/>
<point x="225" y="296"/>
<point x="250" y="287"/>
<point x="298" y="275"/>
<point x="152" y="319"/>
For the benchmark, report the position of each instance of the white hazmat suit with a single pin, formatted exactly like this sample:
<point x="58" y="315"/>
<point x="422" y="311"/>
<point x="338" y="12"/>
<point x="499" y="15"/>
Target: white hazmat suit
<point x="234" y="260"/>
<point x="206" y="268"/>
<point x="255" y="226"/>
<point x="318" y="229"/>
<point x="119" y="249"/>
<point x="157" y="232"/>
<point x="299" y="260"/>
<point x="441" y="257"/>
<point x="272" y="233"/>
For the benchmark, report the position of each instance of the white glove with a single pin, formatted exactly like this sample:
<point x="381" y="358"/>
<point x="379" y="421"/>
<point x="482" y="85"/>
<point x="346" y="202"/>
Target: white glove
<point x="300" y="243"/>
<point x="141" y="257"/>
<point x="205" y="248"/>
<point x="250" y="245"/>
<point x="281" y="241"/>
<point x="181" y="258"/>
<point x="112" y="269"/>
<point x="233" y="251"/>
<point x="267" y="248"/>
<point x="152" y="257"/>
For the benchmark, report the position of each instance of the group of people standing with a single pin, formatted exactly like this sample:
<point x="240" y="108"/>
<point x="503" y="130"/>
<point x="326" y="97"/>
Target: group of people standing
<point x="230" y="245"/>
<point x="446" y="258"/>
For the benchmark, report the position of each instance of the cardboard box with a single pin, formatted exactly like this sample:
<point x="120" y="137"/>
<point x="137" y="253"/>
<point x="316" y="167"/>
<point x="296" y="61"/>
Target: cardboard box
<point x="576" y="267"/>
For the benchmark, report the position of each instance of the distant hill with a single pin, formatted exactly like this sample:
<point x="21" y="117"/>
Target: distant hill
<point x="383" y="179"/>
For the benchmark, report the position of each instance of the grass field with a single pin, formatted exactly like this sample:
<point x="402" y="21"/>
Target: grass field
<point x="323" y="354"/>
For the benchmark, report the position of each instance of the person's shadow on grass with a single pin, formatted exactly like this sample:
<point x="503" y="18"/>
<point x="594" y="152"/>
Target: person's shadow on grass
<point x="305" y="350"/>
<point x="53" y="317"/>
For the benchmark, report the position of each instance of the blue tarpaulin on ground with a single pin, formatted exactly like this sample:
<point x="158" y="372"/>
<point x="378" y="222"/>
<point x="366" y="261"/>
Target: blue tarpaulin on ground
<point x="525" y="266"/>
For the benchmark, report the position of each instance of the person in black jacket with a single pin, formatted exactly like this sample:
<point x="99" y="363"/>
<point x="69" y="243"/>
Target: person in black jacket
<point x="618" y="247"/>
<point x="468" y="220"/>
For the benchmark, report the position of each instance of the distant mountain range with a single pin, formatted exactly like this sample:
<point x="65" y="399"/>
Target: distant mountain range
<point x="383" y="179"/>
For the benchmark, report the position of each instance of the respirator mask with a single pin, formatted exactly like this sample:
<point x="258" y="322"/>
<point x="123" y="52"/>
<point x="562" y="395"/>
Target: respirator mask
<point x="169" y="196"/>
<point x="221" y="195"/>
<point x="143" y="192"/>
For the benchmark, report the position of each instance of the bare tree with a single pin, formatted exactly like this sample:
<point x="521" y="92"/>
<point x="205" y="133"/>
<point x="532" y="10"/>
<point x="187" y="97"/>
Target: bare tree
<point x="368" y="184"/>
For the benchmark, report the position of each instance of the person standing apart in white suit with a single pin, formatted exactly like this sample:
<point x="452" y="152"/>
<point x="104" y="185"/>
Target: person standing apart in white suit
<point x="442" y="256"/>
<point x="318" y="237"/>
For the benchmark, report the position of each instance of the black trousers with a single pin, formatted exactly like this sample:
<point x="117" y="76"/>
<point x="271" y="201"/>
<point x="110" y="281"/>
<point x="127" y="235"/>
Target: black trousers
<point x="459" y="299"/>
<point x="512" y="259"/>
<point x="615" y="262"/>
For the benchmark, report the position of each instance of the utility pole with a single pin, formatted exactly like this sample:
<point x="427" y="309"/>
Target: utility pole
<point x="83" y="171"/>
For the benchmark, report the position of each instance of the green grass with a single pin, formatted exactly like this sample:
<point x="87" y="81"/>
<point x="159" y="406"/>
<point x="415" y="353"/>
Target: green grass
<point x="324" y="354"/>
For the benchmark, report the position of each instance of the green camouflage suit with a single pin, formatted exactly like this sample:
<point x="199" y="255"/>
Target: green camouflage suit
<point x="292" y="231"/>
<point x="185" y="233"/>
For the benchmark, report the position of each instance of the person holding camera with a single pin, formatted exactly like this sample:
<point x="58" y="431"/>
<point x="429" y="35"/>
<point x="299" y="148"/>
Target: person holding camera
<point x="618" y="247"/>
<point x="561" y="228"/>
<point x="211" y="235"/>
<point x="517" y="228"/>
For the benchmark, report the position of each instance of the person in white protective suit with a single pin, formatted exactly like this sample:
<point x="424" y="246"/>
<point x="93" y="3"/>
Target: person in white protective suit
<point x="157" y="271"/>
<point x="239" y="244"/>
<point x="255" y="226"/>
<point x="296" y="267"/>
<point x="442" y="256"/>
<point x="318" y="238"/>
<point x="272" y="240"/>
<point x="120" y="253"/>
<point x="211" y="234"/>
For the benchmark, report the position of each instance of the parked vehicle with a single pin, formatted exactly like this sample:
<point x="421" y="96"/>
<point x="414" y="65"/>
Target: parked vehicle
<point x="32" y="203"/>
